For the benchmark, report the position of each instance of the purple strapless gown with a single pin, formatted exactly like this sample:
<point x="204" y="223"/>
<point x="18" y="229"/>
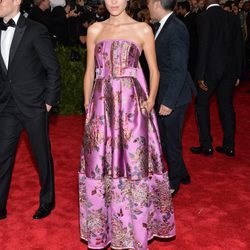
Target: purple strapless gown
<point x="123" y="181"/>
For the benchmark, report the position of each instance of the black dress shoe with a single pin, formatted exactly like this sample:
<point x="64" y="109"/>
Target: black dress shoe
<point x="186" y="180"/>
<point x="3" y="214"/>
<point x="226" y="151"/>
<point x="201" y="150"/>
<point x="43" y="211"/>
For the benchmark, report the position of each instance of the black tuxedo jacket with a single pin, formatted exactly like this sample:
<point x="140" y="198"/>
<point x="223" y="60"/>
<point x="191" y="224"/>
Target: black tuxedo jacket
<point x="55" y="21"/>
<point x="190" y="22"/>
<point x="172" y="48"/>
<point x="33" y="75"/>
<point x="220" y="47"/>
<point x="60" y="25"/>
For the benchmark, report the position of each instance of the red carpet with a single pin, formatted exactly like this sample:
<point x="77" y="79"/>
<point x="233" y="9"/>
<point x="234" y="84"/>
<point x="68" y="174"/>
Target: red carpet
<point x="211" y="213"/>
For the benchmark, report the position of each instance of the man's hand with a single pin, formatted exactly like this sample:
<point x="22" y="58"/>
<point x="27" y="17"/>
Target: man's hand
<point x="237" y="82"/>
<point x="72" y="13"/>
<point x="202" y="85"/>
<point x="164" y="110"/>
<point x="48" y="107"/>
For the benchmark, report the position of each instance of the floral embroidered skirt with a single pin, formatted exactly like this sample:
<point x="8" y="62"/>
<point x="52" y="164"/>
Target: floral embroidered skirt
<point x="125" y="213"/>
<point x="124" y="192"/>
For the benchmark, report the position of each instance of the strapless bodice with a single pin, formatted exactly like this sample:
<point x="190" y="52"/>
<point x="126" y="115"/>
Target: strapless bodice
<point x="117" y="58"/>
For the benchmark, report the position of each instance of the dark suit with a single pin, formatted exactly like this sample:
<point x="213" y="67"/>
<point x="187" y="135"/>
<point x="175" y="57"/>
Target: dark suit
<point x="31" y="81"/>
<point x="219" y="64"/>
<point x="175" y="92"/>
<point x="60" y="25"/>
<point x="43" y="17"/>
<point x="55" y="21"/>
<point x="248" y="40"/>
<point x="190" y="22"/>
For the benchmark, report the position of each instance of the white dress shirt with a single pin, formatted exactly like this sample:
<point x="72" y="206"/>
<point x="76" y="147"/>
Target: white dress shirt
<point x="6" y="40"/>
<point x="162" y="22"/>
<point x="212" y="5"/>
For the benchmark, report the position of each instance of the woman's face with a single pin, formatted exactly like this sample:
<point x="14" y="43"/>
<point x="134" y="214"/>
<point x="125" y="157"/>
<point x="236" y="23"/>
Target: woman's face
<point x="116" y="7"/>
<point x="235" y="10"/>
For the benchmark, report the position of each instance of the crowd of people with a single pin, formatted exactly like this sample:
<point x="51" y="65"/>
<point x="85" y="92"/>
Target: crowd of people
<point x="131" y="163"/>
<point x="68" y="20"/>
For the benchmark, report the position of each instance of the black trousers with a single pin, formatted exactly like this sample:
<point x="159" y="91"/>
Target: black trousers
<point x="12" y="121"/>
<point x="170" y="128"/>
<point x="224" y="92"/>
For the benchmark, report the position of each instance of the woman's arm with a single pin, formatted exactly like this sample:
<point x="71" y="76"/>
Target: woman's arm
<point x="150" y="54"/>
<point x="90" y="68"/>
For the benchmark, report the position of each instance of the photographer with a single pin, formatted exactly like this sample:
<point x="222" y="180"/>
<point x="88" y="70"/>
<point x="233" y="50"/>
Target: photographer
<point x="55" y="21"/>
<point x="101" y="13"/>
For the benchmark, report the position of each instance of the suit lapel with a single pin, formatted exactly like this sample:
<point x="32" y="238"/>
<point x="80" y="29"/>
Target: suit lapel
<point x="2" y="64"/>
<point x="20" y="29"/>
<point x="164" y="28"/>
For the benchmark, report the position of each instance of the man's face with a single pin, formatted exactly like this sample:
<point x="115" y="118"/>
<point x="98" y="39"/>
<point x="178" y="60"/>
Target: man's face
<point x="226" y="8"/>
<point x="46" y="4"/>
<point x="247" y="6"/>
<point x="9" y="8"/>
<point x="241" y="4"/>
<point x="101" y="10"/>
<point x="152" y="8"/>
<point x="201" y="4"/>
<point x="235" y="10"/>
<point x="181" y="11"/>
<point x="194" y="4"/>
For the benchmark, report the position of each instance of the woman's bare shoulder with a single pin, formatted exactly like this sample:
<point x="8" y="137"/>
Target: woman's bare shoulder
<point x="95" y="28"/>
<point x="144" y="28"/>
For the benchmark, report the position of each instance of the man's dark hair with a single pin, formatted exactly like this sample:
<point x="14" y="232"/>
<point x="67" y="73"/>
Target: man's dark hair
<point x="184" y="5"/>
<point x="229" y="4"/>
<point x="168" y="4"/>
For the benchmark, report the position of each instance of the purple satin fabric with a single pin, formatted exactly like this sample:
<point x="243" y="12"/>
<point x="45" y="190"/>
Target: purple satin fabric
<point x="123" y="183"/>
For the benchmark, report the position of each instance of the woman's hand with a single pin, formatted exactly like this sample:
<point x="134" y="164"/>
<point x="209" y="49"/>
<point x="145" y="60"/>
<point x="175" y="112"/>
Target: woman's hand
<point x="148" y="105"/>
<point x="86" y="105"/>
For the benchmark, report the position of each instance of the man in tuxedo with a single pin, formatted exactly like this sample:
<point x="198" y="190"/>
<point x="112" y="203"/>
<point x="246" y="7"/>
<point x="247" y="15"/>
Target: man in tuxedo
<point x="219" y="64"/>
<point x="189" y="19"/>
<point x="175" y="86"/>
<point x="57" y="21"/>
<point x="29" y="87"/>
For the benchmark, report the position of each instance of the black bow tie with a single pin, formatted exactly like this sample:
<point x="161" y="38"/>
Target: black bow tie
<point x="10" y="23"/>
<point x="156" y="26"/>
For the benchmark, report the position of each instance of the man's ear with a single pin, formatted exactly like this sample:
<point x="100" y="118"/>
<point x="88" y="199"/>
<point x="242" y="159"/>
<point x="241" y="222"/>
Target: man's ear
<point x="18" y="2"/>
<point x="157" y="4"/>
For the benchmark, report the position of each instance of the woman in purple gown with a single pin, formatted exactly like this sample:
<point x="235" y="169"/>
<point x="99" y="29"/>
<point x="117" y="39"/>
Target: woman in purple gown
<point x="124" y="191"/>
